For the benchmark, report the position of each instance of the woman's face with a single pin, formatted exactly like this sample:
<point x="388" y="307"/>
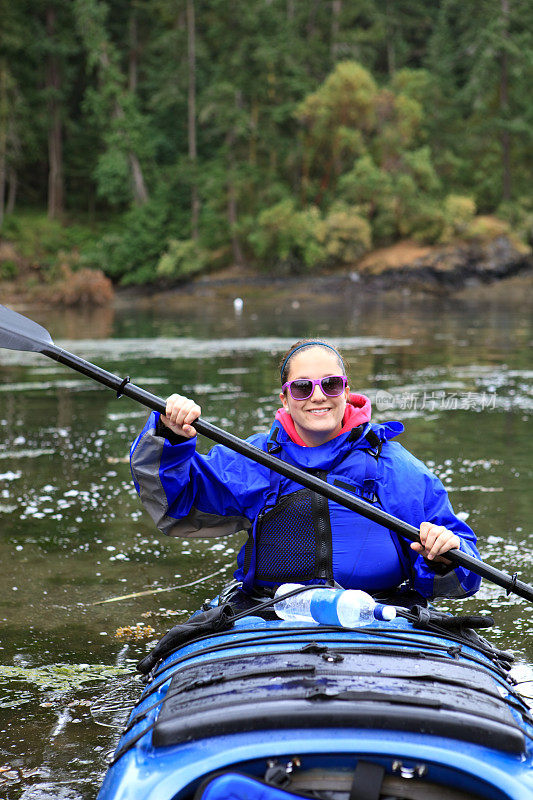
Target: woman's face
<point x="319" y="418"/>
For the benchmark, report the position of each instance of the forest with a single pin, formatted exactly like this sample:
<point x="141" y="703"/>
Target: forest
<point x="158" y="139"/>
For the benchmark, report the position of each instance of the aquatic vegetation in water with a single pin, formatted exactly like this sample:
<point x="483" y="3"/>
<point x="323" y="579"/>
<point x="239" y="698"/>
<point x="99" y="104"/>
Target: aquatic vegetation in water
<point x="138" y="631"/>
<point x="54" y="678"/>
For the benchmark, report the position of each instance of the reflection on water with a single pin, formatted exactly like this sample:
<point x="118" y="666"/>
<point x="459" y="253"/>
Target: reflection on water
<point x="72" y="531"/>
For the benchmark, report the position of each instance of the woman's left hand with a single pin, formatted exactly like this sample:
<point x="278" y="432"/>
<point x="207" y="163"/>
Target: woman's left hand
<point x="435" y="540"/>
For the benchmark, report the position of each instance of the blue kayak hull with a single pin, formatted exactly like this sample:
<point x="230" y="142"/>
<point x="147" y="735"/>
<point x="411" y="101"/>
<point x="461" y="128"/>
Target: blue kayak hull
<point x="430" y="710"/>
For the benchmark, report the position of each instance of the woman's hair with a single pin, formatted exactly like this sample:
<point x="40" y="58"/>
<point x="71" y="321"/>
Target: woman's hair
<point x="305" y="344"/>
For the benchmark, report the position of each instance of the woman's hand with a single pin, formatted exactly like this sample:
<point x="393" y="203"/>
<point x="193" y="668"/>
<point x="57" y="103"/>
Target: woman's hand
<point x="435" y="540"/>
<point x="180" y="414"/>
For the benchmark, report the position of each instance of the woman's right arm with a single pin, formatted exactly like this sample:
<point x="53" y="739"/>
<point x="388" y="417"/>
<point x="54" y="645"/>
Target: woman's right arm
<point x="188" y="494"/>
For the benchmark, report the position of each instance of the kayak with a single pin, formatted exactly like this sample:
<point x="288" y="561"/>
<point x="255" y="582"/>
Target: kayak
<point x="272" y="710"/>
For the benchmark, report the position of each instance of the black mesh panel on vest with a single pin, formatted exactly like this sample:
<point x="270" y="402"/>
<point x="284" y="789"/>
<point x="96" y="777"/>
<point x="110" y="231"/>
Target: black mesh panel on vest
<point x="286" y="542"/>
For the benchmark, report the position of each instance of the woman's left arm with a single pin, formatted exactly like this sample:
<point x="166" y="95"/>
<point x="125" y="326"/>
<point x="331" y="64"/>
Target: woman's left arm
<point x="413" y="493"/>
<point x="442" y="530"/>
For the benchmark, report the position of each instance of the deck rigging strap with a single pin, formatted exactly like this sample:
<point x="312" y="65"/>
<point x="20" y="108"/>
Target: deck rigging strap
<point x="367" y="781"/>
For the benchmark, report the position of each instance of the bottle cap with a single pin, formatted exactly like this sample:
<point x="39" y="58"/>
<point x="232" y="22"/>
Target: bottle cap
<point x="384" y="612"/>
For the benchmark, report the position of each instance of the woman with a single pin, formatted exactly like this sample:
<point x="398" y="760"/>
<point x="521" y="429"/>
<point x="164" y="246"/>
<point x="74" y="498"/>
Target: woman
<point x="295" y="535"/>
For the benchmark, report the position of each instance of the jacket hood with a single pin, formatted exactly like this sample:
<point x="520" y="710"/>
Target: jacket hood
<point x="358" y="410"/>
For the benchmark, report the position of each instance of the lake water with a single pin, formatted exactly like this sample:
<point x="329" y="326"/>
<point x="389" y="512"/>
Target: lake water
<point x="457" y="371"/>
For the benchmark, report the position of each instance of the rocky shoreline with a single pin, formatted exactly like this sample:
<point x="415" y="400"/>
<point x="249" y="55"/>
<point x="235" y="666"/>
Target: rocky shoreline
<point x="405" y="266"/>
<point x="453" y="267"/>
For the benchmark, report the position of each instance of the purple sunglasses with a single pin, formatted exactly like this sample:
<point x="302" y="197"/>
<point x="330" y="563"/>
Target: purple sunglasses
<point x="303" y="388"/>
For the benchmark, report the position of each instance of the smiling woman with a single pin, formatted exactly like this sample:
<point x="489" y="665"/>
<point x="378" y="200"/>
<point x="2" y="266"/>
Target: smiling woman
<point x="295" y="534"/>
<point x="312" y="394"/>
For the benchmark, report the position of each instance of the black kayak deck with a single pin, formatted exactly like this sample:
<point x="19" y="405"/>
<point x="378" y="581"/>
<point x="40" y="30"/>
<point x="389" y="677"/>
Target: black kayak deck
<point x="338" y="688"/>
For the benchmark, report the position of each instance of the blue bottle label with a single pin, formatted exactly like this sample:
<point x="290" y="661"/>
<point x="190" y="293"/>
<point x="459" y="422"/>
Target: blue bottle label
<point x="323" y="606"/>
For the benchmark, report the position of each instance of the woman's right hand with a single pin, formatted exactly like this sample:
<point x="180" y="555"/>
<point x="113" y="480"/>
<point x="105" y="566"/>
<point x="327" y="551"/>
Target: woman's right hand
<point x="180" y="414"/>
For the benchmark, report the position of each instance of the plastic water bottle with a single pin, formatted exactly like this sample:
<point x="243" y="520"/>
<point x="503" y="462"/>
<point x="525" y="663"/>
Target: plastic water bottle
<point x="350" y="608"/>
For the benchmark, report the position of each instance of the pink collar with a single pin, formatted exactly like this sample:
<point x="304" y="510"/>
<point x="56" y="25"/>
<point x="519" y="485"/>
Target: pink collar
<point x="357" y="412"/>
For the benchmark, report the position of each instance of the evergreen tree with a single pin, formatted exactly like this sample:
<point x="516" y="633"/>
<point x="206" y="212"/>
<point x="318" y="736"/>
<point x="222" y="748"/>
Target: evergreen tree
<point x="210" y="132"/>
<point x="482" y="56"/>
<point x="114" y="107"/>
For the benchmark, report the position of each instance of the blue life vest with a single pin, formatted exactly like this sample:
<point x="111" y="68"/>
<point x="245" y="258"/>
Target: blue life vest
<point x="292" y="539"/>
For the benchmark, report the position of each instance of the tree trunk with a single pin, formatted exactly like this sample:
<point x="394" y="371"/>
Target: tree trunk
<point x="391" y="52"/>
<point x="290" y="10"/>
<point x="336" y="8"/>
<point x="232" y="219"/>
<point x="232" y="199"/>
<point x="310" y="28"/>
<point x="12" y="180"/>
<point x="254" y="128"/>
<point x="133" y="60"/>
<point x="55" y="127"/>
<point x="140" y="192"/>
<point x="504" y="105"/>
<point x="3" y="138"/>
<point x="2" y="187"/>
<point x="191" y="107"/>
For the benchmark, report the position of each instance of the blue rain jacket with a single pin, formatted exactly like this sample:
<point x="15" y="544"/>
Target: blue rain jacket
<point x="188" y="495"/>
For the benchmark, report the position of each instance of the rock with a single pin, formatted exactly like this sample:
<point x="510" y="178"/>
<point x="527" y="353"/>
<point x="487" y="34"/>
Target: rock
<point x="453" y="266"/>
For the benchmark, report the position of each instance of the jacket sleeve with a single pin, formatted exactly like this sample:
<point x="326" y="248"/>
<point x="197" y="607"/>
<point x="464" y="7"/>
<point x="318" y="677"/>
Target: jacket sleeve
<point x="188" y="494"/>
<point x="439" y="578"/>
<point x="426" y="499"/>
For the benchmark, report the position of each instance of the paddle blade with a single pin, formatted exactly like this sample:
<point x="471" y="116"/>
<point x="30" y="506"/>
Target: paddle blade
<point x="20" y="333"/>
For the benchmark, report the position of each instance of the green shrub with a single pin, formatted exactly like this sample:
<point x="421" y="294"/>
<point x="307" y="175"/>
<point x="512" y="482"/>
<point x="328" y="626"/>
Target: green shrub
<point x="426" y="223"/>
<point x="487" y="227"/>
<point x="519" y="214"/>
<point x="396" y="202"/>
<point x="365" y="184"/>
<point x="370" y="191"/>
<point x="39" y="238"/>
<point x="346" y="235"/>
<point x="288" y="240"/>
<point x="418" y="216"/>
<point x="113" y="177"/>
<point x="131" y="254"/>
<point x="8" y="270"/>
<point x="459" y="211"/>
<point x="183" y="258"/>
<point x="418" y="164"/>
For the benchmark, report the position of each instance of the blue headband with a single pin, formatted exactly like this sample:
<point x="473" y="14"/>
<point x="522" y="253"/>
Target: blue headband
<point x="309" y="344"/>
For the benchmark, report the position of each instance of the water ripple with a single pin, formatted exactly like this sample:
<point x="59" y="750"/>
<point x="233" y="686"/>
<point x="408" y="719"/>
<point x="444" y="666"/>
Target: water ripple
<point x="188" y="347"/>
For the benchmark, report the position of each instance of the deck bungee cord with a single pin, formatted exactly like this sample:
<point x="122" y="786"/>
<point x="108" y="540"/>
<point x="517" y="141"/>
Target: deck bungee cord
<point x="408" y="650"/>
<point x="420" y="617"/>
<point x="431" y="649"/>
<point x="499" y="660"/>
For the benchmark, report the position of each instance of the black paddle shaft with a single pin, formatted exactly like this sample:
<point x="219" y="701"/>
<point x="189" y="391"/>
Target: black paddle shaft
<point x="20" y="333"/>
<point x="123" y="387"/>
